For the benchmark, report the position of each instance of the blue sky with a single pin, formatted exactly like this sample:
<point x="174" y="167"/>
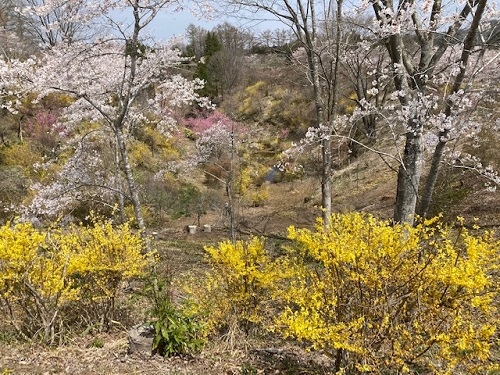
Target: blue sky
<point x="168" y="24"/>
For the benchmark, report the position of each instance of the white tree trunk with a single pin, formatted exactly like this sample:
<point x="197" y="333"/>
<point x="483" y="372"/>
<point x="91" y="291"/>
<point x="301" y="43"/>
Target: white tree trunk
<point x="119" y="185"/>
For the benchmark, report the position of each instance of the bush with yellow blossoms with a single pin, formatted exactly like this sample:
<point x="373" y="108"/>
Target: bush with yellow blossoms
<point x="394" y="299"/>
<point x="234" y="293"/>
<point x="50" y="278"/>
<point x="377" y="298"/>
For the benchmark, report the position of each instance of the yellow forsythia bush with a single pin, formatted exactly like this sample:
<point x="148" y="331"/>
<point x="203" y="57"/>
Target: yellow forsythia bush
<point x="235" y="290"/>
<point x="393" y="299"/>
<point x="51" y="278"/>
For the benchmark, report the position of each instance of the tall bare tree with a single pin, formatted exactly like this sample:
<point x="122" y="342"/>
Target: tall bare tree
<point x="318" y="28"/>
<point x="196" y="36"/>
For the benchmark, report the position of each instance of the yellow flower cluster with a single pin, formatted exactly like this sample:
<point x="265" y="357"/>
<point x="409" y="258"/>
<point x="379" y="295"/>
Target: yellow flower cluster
<point x="398" y="298"/>
<point x="379" y="298"/>
<point x="237" y="286"/>
<point x="43" y="273"/>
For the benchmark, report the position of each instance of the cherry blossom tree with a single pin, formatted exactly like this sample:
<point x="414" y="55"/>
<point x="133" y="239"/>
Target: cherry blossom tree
<point x="365" y="67"/>
<point x="217" y="143"/>
<point x="419" y="36"/>
<point x="435" y="55"/>
<point x="83" y="179"/>
<point x="50" y="22"/>
<point x="116" y="81"/>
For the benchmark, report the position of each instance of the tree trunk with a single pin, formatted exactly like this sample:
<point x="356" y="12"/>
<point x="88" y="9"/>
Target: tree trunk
<point x="326" y="180"/>
<point x="20" y="130"/>
<point x="437" y="156"/>
<point x="430" y="182"/>
<point x="230" y="193"/>
<point x="132" y="187"/>
<point x="326" y="162"/>
<point x="409" y="177"/>
<point x="410" y="168"/>
<point x="131" y="49"/>
<point x="119" y="186"/>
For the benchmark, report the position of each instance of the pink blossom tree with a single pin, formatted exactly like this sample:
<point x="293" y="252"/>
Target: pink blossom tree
<point x="218" y="139"/>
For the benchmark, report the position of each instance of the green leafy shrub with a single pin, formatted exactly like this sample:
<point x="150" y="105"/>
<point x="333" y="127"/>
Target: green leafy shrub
<point x="177" y="331"/>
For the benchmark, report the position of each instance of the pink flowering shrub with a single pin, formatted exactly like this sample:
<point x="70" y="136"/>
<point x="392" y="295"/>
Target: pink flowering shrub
<point x="44" y="129"/>
<point x="203" y="121"/>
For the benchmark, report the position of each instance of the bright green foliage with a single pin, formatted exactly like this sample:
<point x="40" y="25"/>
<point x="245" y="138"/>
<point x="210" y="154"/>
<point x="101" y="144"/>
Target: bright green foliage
<point x="49" y="278"/>
<point x="393" y="299"/>
<point x="175" y="331"/>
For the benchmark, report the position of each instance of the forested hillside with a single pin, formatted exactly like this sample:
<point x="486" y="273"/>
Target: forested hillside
<point x="328" y="186"/>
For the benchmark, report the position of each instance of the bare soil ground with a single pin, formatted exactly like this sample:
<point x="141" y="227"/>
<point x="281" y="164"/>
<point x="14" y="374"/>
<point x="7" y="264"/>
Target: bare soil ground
<point x="83" y="359"/>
